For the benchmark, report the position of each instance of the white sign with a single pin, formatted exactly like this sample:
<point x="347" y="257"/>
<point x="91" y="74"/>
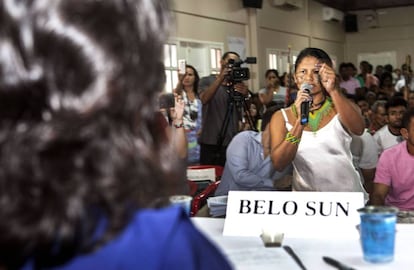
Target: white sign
<point x="296" y="214"/>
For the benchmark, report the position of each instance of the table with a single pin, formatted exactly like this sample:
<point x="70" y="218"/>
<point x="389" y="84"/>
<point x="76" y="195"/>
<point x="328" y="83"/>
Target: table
<point x="249" y="252"/>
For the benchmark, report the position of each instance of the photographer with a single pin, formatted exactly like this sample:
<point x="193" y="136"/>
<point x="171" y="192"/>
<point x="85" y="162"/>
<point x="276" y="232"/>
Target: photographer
<point x="216" y="93"/>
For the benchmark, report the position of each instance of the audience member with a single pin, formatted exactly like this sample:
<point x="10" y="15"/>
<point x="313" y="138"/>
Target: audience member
<point x="378" y="116"/>
<point x="171" y="122"/>
<point x="360" y="93"/>
<point x="266" y="95"/>
<point x="284" y="79"/>
<point x="291" y="89"/>
<point x="219" y="96"/>
<point x="379" y="70"/>
<point x="386" y="85"/>
<point x="354" y="71"/>
<point x="366" y="79"/>
<point x="389" y="135"/>
<point x="388" y="68"/>
<point x="363" y="67"/>
<point x="187" y="87"/>
<point x="396" y="76"/>
<point x="248" y="164"/>
<point x="405" y="82"/>
<point x="371" y="81"/>
<point x="394" y="181"/>
<point x="365" y="110"/>
<point x="274" y="88"/>
<point x="410" y="101"/>
<point x="370" y="97"/>
<point x="348" y="82"/>
<point x="84" y="166"/>
<point x="320" y="150"/>
<point x="383" y="96"/>
<point x="365" y="157"/>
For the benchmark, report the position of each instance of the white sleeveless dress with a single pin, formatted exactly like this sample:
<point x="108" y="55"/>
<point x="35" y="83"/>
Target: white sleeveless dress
<point x="323" y="161"/>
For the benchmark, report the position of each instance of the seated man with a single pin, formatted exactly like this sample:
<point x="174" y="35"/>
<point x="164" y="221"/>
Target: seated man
<point x="248" y="165"/>
<point x="394" y="181"/>
<point x="389" y="135"/>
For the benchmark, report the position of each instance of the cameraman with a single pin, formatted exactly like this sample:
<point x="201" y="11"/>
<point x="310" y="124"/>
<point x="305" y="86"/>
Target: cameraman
<point x="216" y="94"/>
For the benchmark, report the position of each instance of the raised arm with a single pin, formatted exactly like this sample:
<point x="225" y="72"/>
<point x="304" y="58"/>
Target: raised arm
<point x="179" y="87"/>
<point x="349" y="113"/>
<point x="207" y="92"/>
<point x="284" y="144"/>
<point x="178" y="136"/>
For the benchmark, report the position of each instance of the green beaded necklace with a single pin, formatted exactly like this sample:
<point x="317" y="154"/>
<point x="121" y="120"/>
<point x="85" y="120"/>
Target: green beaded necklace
<point x="316" y="116"/>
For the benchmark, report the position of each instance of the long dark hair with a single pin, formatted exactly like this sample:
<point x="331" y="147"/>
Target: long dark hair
<point x="79" y="143"/>
<point x="196" y="79"/>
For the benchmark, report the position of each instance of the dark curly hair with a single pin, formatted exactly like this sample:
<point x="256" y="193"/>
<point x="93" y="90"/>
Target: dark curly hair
<point x="79" y="140"/>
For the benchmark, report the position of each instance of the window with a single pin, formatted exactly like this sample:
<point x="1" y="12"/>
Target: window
<point x="272" y="61"/>
<point x="204" y="56"/>
<point x="281" y="60"/>
<point x="215" y="57"/>
<point x="170" y="63"/>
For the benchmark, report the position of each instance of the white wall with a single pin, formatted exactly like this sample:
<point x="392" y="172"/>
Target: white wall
<point x="272" y="27"/>
<point x="393" y="31"/>
<point x="298" y="29"/>
<point x="211" y="20"/>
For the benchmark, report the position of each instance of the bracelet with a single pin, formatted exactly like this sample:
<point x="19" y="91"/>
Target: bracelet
<point x="292" y="138"/>
<point x="179" y="125"/>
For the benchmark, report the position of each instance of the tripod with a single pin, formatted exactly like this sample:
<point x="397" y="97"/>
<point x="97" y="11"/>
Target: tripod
<point x="236" y="102"/>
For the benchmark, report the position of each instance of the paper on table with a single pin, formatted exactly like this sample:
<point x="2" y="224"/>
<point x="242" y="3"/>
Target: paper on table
<point x="217" y="205"/>
<point x="255" y="258"/>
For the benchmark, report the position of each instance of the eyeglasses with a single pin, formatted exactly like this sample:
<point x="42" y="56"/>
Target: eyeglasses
<point x="302" y="74"/>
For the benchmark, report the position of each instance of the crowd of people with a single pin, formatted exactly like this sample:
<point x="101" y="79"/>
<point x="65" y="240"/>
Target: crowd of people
<point x="354" y="115"/>
<point x="89" y="160"/>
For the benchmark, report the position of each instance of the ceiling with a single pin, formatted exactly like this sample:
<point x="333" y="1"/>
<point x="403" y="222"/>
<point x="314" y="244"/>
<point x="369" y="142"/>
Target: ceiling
<point x="353" y="5"/>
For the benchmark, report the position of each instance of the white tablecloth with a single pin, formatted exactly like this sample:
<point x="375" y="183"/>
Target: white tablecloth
<point x="250" y="253"/>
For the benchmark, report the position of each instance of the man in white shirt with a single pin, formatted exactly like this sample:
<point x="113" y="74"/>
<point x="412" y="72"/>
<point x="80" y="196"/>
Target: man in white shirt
<point x="389" y="135"/>
<point x="365" y="157"/>
<point x="405" y="79"/>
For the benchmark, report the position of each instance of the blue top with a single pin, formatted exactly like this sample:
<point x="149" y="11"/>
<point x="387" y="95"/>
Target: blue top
<point x="192" y="128"/>
<point x="154" y="239"/>
<point x="246" y="168"/>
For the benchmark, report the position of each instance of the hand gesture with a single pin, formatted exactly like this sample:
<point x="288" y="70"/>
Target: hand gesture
<point x="177" y="112"/>
<point x="327" y="77"/>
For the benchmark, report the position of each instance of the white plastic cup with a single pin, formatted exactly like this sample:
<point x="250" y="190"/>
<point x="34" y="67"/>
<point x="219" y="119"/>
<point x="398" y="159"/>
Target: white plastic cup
<point x="182" y="200"/>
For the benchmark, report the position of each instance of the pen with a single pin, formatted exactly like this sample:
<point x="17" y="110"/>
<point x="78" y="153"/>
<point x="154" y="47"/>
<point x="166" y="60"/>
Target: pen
<point x="337" y="264"/>
<point x="295" y="257"/>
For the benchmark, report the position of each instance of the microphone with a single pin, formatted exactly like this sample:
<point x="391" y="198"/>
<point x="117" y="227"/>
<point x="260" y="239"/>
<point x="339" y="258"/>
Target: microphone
<point x="304" y="106"/>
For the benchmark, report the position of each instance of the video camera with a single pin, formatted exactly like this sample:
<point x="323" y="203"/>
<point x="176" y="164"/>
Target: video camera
<point x="238" y="74"/>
